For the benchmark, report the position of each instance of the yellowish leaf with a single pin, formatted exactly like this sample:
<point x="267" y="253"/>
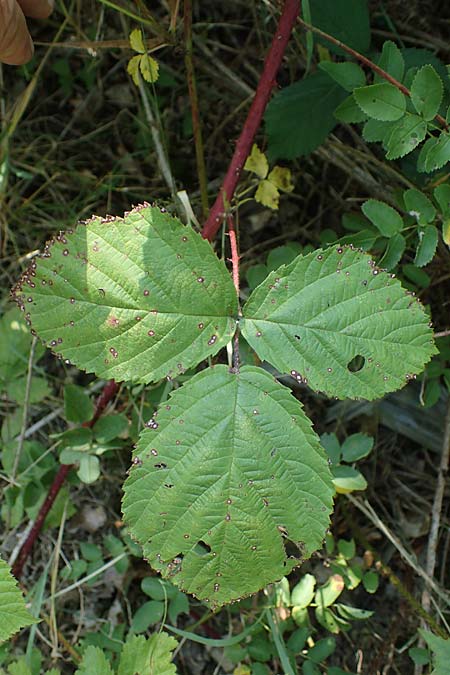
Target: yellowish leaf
<point x="242" y="670"/>
<point x="281" y="178"/>
<point x="446" y="231"/>
<point x="136" y="41"/>
<point x="257" y="162"/>
<point x="133" y="68"/>
<point x="149" y="68"/>
<point x="267" y="194"/>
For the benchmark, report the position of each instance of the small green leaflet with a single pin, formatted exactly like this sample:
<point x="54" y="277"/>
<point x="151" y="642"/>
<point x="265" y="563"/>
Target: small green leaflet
<point x="230" y="496"/>
<point x="435" y="153"/>
<point x="404" y="136"/>
<point x="138" y="298"/>
<point x="381" y="101"/>
<point x="349" y="75"/>
<point x="13" y="613"/>
<point x="440" y="649"/>
<point x="314" y="317"/>
<point x="426" y="92"/>
<point x="392" y="61"/>
<point x="386" y="219"/>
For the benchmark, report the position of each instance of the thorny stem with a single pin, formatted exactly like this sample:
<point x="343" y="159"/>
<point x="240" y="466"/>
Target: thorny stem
<point x="367" y="62"/>
<point x="245" y="141"/>
<point x="196" y="124"/>
<point x="105" y="397"/>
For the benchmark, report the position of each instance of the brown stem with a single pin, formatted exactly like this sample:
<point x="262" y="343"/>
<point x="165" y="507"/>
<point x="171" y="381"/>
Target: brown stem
<point x="196" y="124"/>
<point x="245" y="141"/>
<point x="367" y="62"/>
<point x="105" y="397"/>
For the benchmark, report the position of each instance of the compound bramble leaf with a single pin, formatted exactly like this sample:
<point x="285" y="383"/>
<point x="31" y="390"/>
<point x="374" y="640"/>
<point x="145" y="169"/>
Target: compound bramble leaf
<point x="334" y="320"/>
<point x="230" y="488"/>
<point x="138" y="298"/>
<point x="13" y="613"/>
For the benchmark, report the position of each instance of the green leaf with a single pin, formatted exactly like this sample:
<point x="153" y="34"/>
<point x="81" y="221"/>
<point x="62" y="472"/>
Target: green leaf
<point x="404" y="136"/>
<point x="90" y="551"/>
<point x="327" y="619"/>
<point x="435" y="153"/>
<point x="375" y="131"/>
<point x="148" y="614"/>
<point x="416" y="275"/>
<point x="440" y="649"/>
<point x="386" y="219"/>
<point x="89" y="469"/>
<point x="392" y="61"/>
<point x="78" y="407"/>
<point x="395" y="248"/>
<point x="332" y="447"/>
<point x="346" y="479"/>
<point x="428" y="240"/>
<point x="300" y="117"/>
<point x="381" y="101"/>
<point x="148" y="657"/>
<point x="420" y="656"/>
<point x="349" y="612"/>
<point x="322" y="649"/>
<point x="356" y="447"/>
<point x="297" y="640"/>
<point x="221" y="534"/>
<point x="255" y="275"/>
<point x="158" y="589"/>
<point x="281" y="255"/>
<point x="347" y="74"/>
<point x="94" y="661"/>
<point x="15" y="343"/>
<point x="109" y="427"/>
<point x="347" y="548"/>
<point x="346" y="20"/>
<point x="442" y="195"/>
<point x="426" y="92"/>
<point x="104" y="299"/>
<point x="13" y="613"/>
<point x="419" y="206"/>
<point x="179" y="605"/>
<point x="313" y="317"/>
<point x="330" y="591"/>
<point x="349" y="111"/>
<point x="371" y="581"/>
<point x="303" y="593"/>
<point x="39" y="389"/>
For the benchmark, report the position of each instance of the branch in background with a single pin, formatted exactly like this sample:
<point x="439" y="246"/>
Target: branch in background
<point x="367" y="62"/>
<point x="196" y="124"/>
<point x="245" y="141"/>
<point x="108" y="393"/>
<point x="437" y="508"/>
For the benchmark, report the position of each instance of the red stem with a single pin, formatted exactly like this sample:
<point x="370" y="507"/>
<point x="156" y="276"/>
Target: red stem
<point x="105" y="397"/>
<point x="245" y="141"/>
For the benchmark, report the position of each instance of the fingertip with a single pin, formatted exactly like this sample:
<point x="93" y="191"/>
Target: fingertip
<point x="20" y="55"/>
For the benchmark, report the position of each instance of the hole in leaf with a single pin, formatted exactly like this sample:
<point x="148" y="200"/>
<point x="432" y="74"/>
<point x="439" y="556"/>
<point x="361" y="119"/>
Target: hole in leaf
<point x="202" y="548"/>
<point x="356" y="364"/>
<point x="294" y="549"/>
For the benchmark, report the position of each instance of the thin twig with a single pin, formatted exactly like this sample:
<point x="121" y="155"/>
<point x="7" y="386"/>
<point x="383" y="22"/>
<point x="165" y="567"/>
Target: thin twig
<point x="161" y="154"/>
<point x="254" y="117"/>
<point x="110" y="390"/>
<point x="195" y="113"/>
<point x="436" y="510"/>
<point x="367" y="62"/>
<point x="26" y="403"/>
<point x="366" y="508"/>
